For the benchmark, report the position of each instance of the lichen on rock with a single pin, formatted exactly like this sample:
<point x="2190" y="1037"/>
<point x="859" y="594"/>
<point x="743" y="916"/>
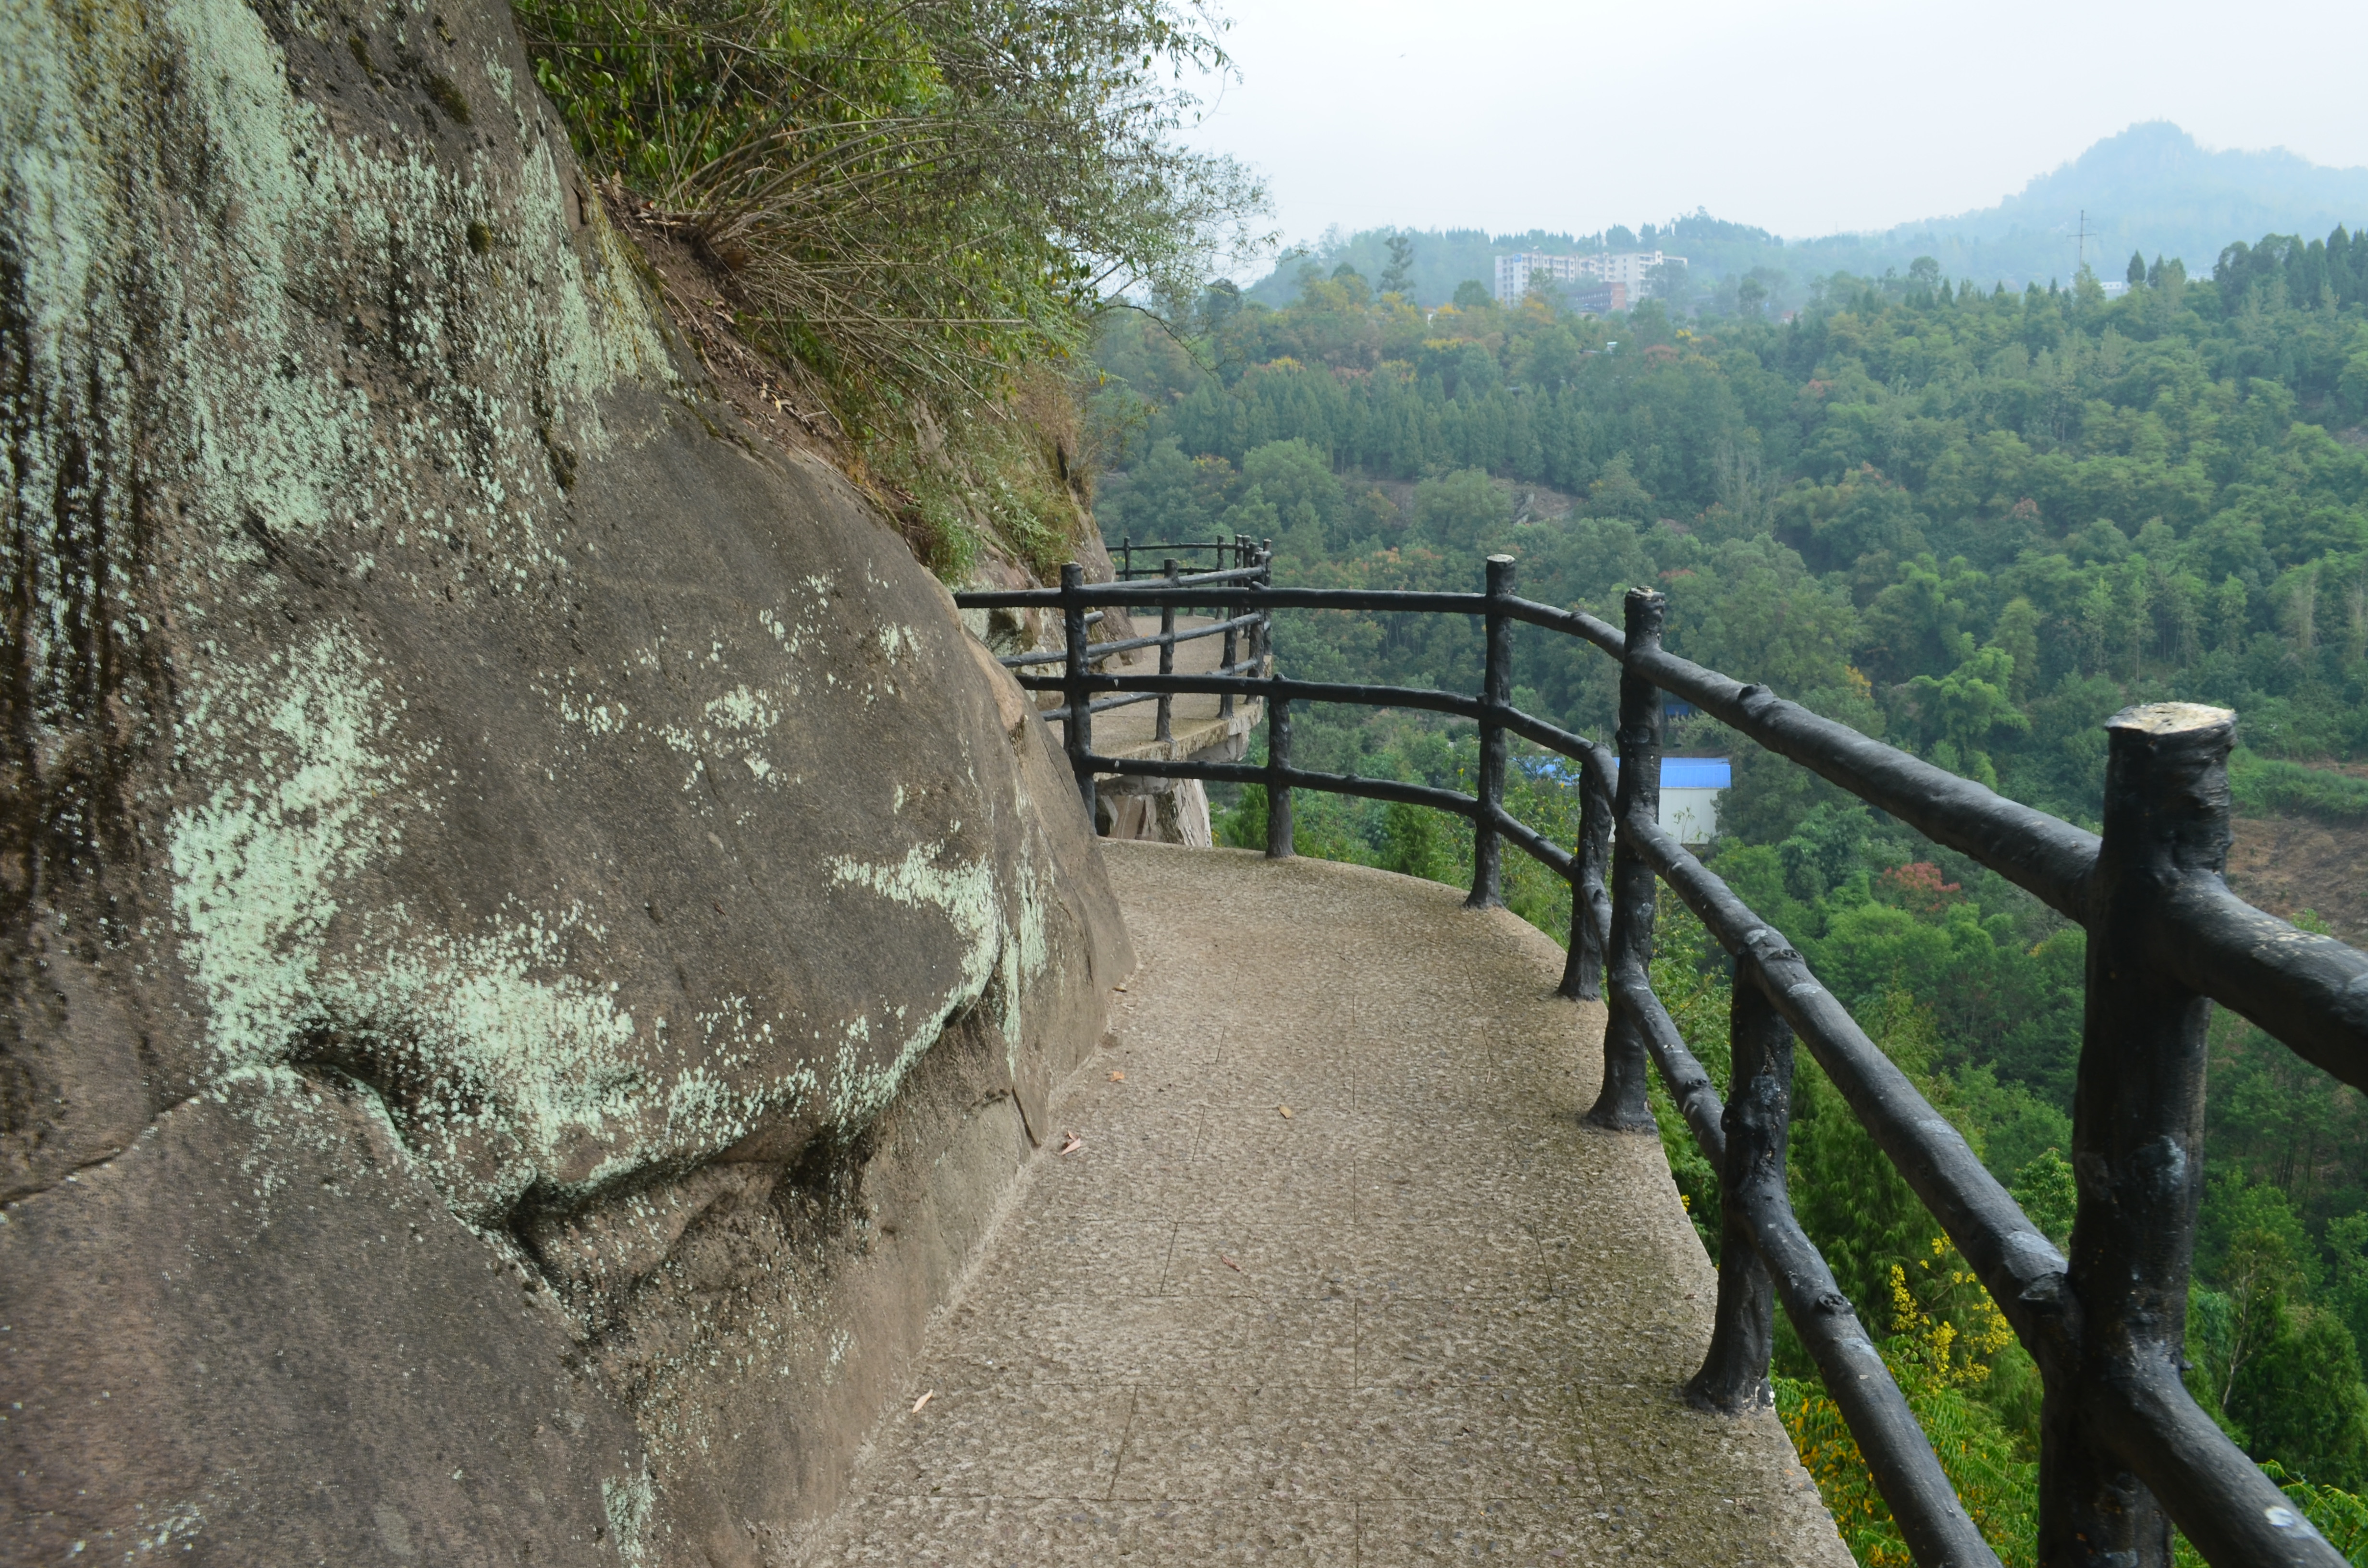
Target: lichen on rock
<point x="464" y="785"/>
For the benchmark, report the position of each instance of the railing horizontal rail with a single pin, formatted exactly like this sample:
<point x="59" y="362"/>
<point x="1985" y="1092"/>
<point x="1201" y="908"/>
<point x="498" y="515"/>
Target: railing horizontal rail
<point x="1265" y="686"/>
<point x="1291" y="777"/>
<point x="2021" y="1270"/>
<point x="1216" y="682"/>
<point x="1158" y="591"/>
<point x="1577" y="623"/>
<point x="1553" y="737"/>
<point x="1689" y="1086"/>
<point x="1896" y="1450"/>
<point x="1102" y="651"/>
<point x="2037" y="852"/>
<point x="1104" y="705"/>
<point x="1897" y="1453"/>
<point x="1540" y="849"/>
<point x="2309" y="991"/>
<point x="1923" y="1503"/>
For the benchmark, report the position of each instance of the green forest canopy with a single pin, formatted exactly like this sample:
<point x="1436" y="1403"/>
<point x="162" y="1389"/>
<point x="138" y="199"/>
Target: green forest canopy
<point x="1971" y="521"/>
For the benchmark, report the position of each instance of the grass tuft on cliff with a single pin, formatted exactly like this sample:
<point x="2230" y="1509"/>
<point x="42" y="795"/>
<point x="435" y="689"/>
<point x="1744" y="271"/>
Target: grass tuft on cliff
<point x="925" y="204"/>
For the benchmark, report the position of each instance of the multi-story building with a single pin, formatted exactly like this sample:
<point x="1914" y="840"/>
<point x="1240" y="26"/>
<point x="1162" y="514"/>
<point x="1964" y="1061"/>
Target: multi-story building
<point x="1633" y="270"/>
<point x="1597" y="299"/>
<point x="1514" y="272"/>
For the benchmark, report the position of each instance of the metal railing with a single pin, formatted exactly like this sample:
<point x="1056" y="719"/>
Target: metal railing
<point x="1246" y="649"/>
<point x="2124" y="1451"/>
<point x="1206" y="555"/>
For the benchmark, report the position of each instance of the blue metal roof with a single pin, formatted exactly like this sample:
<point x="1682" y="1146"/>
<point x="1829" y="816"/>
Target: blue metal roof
<point x="1676" y="772"/>
<point x="1696" y="773"/>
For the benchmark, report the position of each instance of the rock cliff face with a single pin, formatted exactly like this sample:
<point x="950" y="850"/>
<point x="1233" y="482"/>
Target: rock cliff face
<point x="530" y="939"/>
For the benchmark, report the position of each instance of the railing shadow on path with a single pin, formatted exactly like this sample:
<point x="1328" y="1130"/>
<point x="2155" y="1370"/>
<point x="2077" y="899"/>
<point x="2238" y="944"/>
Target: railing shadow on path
<point x="2124" y="1450"/>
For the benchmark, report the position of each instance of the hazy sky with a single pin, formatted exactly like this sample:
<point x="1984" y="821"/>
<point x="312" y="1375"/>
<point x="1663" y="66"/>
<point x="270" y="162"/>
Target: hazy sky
<point x="1804" y="119"/>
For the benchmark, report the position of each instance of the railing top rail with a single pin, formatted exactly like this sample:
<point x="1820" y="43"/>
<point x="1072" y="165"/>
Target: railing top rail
<point x="1128" y="645"/>
<point x="1122" y="594"/>
<point x="2309" y="989"/>
<point x="1417" y="697"/>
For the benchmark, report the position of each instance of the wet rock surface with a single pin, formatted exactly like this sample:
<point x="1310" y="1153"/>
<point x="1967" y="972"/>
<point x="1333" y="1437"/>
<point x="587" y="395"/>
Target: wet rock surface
<point x="529" y="937"/>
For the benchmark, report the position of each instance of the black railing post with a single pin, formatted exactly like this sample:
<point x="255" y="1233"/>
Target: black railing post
<point x="1496" y="694"/>
<point x="2138" y="1130"/>
<point x="1734" y="1376"/>
<point x="1166" y="727"/>
<point x="1582" y="973"/>
<point x="1126" y="557"/>
<point x="1079" y="740"/>
<point x="1230" y="610"/>
<point x="1251" y="640"/>
<point x="1278" y="793"/>
<point x="1621" y="1103"/>
<point x="1262" y="639"/>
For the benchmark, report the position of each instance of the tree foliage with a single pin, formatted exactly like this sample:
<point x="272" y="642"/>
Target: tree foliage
<point x="1971" y="523"/>
<point x="916" y="198"/>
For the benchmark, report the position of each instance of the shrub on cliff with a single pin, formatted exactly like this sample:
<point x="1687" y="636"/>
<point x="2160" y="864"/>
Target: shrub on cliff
<point x="912" y="199"/>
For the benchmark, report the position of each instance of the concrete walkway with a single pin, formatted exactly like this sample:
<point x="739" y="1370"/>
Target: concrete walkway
<point x="1427" y="1317"/>
<point x="1194" y="724"/>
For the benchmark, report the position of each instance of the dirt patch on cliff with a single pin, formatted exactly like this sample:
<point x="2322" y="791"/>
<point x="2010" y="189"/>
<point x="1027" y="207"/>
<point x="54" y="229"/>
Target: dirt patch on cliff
<point x="2289" y="864"/>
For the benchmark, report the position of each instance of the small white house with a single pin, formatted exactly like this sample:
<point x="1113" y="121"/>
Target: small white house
<point x="1690" y="787"/>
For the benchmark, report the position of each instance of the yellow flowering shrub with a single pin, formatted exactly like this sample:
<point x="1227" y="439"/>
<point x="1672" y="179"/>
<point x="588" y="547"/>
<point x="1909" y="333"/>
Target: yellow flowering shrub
<point x="1944" y="1330"/>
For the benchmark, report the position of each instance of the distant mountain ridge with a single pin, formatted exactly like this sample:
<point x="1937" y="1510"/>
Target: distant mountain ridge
<point x="2150" y="189"/>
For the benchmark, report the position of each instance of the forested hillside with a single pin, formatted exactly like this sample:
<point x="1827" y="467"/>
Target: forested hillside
<point x="1970" y="521"/>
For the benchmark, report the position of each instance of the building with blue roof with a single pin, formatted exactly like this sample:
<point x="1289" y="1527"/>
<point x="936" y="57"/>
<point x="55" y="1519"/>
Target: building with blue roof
<point x="1690" y="787"/>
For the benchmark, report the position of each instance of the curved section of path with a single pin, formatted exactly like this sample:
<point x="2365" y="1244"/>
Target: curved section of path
<point x="1426" y="1317"/>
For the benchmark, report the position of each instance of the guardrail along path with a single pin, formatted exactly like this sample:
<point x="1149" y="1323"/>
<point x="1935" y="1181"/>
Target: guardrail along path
<point x="1428" y="1316"/>
<point x="1197" y="722"/>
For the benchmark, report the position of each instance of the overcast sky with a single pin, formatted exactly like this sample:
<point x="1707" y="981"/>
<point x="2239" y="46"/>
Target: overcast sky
<point x="1804" y="118"/>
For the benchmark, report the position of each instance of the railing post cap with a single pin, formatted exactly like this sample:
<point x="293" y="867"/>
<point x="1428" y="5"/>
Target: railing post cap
<point x="1071" y="575"/>
<point x="1500" y="561"/>
<point x="1643" y="610"/>
<point x="2163" y="718"/>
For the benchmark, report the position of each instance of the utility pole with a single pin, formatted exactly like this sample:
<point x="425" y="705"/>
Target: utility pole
<point x="2080" y="254"/>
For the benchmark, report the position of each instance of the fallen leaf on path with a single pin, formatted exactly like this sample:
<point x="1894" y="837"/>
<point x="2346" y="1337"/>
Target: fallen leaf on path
<point x="1286" y="1112"/>
<point x="1118" y="988"/>
<point x="924" y="1399"/>
<point x="1118" y="1077"/>
<point x="1229" y="1263"/>
<point x="1073" y="1143"/>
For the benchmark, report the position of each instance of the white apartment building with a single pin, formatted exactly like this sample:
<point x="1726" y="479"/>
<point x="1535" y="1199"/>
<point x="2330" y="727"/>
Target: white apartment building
<point x="1633" y="269"/>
